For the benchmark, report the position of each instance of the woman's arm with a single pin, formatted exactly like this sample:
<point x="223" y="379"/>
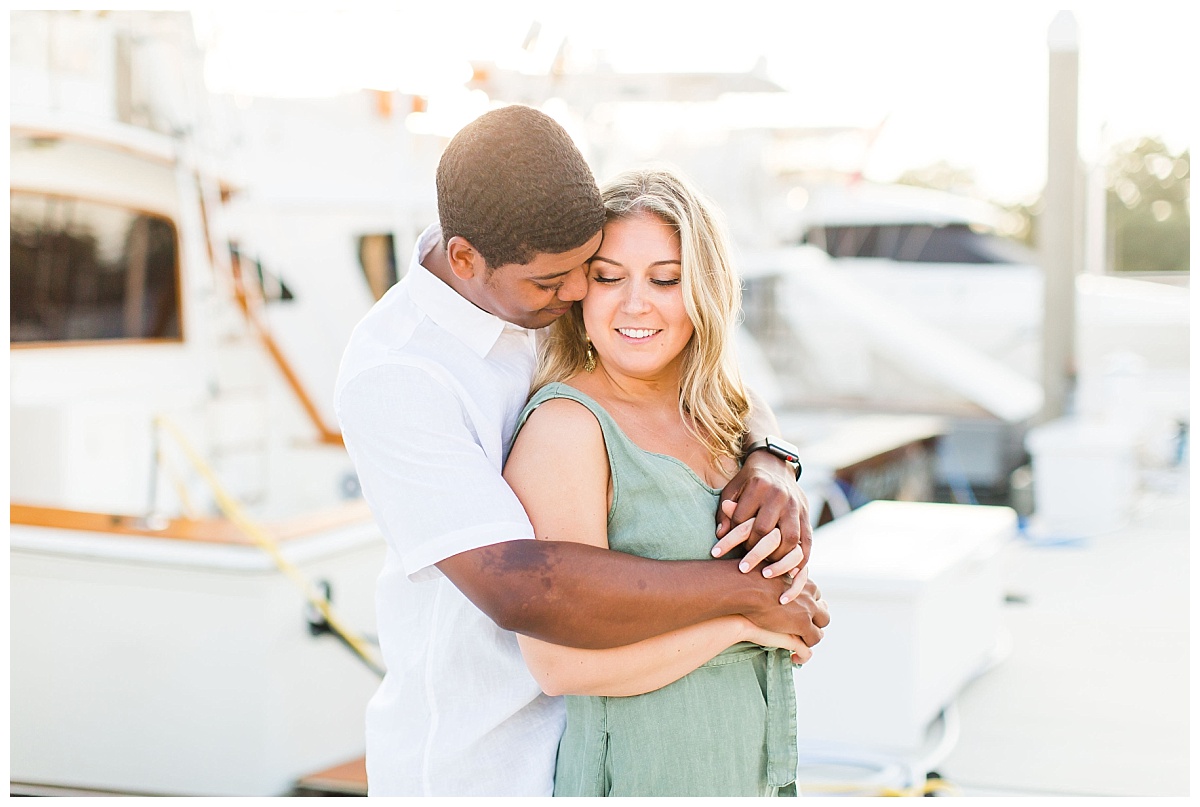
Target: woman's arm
<point x="630" y="670"/>
<point x="569" y="500"/>
<point x="648" y="665"/>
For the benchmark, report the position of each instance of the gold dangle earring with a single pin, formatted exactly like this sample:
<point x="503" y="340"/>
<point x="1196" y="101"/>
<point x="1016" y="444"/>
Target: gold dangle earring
<point x="589" y="361"/>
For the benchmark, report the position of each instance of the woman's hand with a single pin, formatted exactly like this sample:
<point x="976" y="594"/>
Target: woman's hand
<point x="791" y="564"/>
<point x="801" y="652"/>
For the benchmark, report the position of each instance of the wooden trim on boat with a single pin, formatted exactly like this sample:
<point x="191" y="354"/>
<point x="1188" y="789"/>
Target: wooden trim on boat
<point x="207" y="530"/>
<point x="352" y="512"/>
<point x="208" y="241"/>
<point x="325" y="434"/>
<point x="250" y="305"/>
<point x="347" y="779"/>
<point x="76" y="343"/>
<point x="144" y="144"/>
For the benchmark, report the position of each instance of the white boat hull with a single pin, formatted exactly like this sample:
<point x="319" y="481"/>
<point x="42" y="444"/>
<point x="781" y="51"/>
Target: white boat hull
<point x="174" y="667"/>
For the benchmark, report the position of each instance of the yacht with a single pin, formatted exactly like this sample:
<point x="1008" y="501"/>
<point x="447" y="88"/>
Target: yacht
<point x="191" y="563"/>
<point x="903" y="299"/>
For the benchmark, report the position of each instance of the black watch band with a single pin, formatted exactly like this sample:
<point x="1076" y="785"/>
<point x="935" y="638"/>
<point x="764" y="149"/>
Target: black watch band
<point x="780" y="448"/>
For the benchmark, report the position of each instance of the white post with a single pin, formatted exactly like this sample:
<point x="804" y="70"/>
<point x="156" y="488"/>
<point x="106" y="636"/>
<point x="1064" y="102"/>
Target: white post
<point x="1095" y="230"/>
<point x="1060" y="220"/>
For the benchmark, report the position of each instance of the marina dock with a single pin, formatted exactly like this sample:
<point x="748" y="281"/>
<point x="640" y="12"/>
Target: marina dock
<point x="1093" y="696"/>
<point x="1089" y="692"/>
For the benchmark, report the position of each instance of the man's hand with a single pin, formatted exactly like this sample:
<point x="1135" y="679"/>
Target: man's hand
<point x="765" y="490"/>
<point x="806" y="615"/>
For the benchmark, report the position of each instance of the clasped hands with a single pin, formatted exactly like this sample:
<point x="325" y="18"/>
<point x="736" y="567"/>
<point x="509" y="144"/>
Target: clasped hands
<point x="765" y="512"/>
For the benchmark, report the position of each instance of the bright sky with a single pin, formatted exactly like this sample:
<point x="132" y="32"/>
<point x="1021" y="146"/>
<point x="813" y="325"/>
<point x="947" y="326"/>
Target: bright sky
<point x="960" y="82"/>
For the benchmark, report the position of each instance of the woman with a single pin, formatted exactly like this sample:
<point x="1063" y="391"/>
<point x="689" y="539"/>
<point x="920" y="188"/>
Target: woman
<point x="638" y="389"/>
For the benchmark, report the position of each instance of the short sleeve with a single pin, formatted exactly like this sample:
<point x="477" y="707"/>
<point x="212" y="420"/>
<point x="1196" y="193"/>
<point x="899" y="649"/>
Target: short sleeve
<point x="433" y="490"/>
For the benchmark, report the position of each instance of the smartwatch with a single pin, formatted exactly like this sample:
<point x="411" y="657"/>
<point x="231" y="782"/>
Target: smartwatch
<point x="780" y="448"/>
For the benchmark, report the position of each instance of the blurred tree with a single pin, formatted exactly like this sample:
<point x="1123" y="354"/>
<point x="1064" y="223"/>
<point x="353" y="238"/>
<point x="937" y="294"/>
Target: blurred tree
<point x="1148" y="207"/>
<point x="941" y="176"/>
<point x="1019" y="218"/>
<point x="1026" y="215"/>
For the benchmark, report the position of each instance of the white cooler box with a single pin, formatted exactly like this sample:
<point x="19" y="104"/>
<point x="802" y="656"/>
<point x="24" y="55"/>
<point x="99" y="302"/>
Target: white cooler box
<point x="914" y="592"/>
<point x="1085" y="476"/>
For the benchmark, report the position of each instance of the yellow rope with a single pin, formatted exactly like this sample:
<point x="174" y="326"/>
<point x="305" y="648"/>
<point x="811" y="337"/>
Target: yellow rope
<point x="923" y="789"/>
<point x="233" y="511"/>
<point x="180" y="486"/>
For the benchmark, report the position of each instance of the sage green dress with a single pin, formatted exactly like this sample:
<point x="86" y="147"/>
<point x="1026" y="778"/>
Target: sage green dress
<point x="726" y="729"/>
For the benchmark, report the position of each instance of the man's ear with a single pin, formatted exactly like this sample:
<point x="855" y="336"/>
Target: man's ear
<point x="465" y="260"/>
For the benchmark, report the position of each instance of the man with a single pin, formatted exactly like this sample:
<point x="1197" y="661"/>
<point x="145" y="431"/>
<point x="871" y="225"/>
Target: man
<point x="427" y="397"/>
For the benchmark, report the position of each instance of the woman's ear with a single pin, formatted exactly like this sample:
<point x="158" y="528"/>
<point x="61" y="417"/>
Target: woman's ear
<point x="465" y="261"/>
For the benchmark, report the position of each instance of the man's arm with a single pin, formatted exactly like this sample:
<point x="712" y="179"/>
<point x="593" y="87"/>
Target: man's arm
<point x="425" y="478"/>
<point x="583" y="596"/>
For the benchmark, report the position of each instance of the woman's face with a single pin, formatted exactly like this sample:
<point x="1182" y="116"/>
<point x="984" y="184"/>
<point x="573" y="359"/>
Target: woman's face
<point x="634" y="311"/>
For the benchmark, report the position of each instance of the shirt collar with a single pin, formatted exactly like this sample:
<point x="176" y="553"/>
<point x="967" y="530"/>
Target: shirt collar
<point x="450" y="310"/>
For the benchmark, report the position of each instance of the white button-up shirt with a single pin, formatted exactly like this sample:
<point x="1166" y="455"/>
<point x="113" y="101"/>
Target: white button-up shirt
<point x="427" y="397"/>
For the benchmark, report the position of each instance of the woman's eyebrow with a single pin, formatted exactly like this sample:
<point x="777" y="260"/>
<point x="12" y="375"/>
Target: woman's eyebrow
<point x="666" y="262"/>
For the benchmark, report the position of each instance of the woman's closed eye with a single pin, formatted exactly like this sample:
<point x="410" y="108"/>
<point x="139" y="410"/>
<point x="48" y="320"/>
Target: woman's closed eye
<point x="666" y="281"/>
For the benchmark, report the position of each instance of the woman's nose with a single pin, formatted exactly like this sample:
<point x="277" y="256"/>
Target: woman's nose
<point x="635" y="299"/>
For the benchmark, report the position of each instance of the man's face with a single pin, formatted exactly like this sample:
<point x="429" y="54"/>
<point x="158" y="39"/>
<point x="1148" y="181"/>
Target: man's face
<point x="535" y="294"/>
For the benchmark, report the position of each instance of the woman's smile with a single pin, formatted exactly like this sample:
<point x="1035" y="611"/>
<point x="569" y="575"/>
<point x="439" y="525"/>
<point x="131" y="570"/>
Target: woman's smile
<point x="638" y="334"/>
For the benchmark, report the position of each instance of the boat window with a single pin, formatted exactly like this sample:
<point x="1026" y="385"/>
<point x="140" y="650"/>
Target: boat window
<point x="918" y="243"/>
<point x="86" y="271"/>
<point x="377" y="256"/>
<point x="268" y="286"/>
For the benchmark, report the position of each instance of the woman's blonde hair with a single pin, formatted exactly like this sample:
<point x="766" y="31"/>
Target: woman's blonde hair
<point x="712" y="398"/>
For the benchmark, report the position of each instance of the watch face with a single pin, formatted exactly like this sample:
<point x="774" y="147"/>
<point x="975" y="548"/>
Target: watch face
<point x="784" y="449"/>
<point x="780" y="448"/>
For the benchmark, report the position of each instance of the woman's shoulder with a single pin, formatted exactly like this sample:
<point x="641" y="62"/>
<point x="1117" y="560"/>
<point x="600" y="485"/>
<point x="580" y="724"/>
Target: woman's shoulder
<point x="562" y="404"/>
<point x="559" y="423"/>
<point x="565" y="391"/>
<point x="558" y="389"/>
